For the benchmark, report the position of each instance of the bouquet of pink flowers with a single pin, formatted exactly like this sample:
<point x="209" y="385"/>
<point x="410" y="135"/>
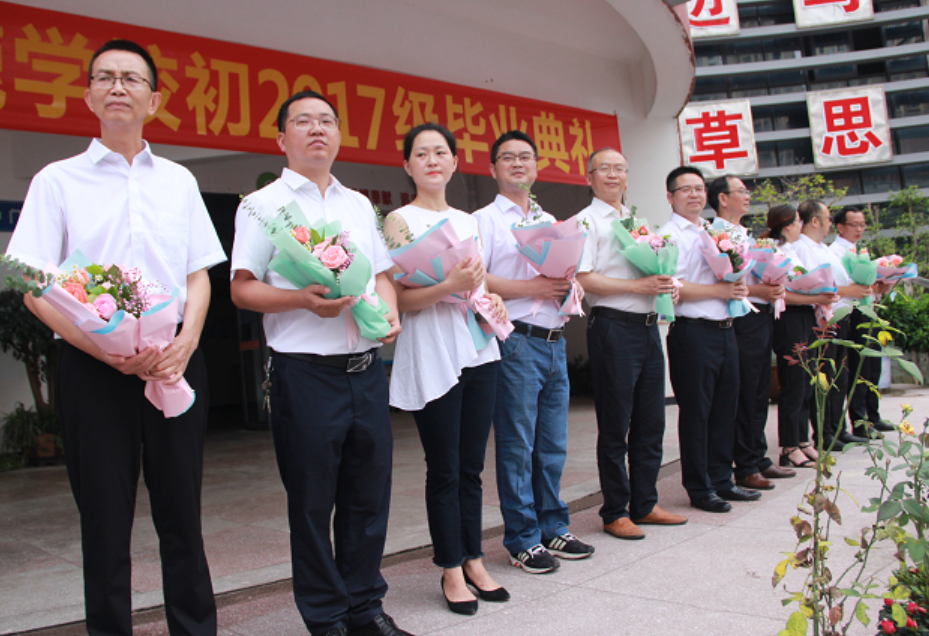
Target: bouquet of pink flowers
<point x="120" y="313"/>
<point x="771" y="268"/>
<point x="727" y="256"/>
<point x="321" y="254"/>
<point x="818" y="280"/>
<point x="427" y="260"/>
<point x="890" y="269"/>
<point x="555" y="251"/>
<point x="651" y="253"/>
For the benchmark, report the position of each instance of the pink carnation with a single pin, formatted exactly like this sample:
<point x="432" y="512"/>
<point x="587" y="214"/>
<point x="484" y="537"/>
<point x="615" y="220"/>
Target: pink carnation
<point x="333" y="256"/>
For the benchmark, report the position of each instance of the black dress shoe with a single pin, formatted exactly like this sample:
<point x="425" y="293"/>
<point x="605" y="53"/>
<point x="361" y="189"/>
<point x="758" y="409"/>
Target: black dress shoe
<point x="467" y="608"/>
<point x="711" y="503"/>
<point x="337" y="631"/>
<point x="739" y="494"/>
<point x="847" y="438"/>
<point x="498" y="595"/>
<point x="382" y="625"/>
<point x="884" y="426"/>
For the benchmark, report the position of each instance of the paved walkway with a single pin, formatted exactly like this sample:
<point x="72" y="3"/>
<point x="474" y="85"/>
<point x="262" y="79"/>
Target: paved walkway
<point x="711" y="576"/>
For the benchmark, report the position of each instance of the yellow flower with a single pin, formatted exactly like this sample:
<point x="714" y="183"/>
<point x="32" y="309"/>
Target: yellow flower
<point x="906" y="428"/>
<point x="906" y="407"/>
<point x="823" y="381"/>
<point x="884" y="337"/>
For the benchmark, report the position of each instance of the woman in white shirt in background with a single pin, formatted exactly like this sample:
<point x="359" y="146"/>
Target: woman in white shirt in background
<point x="444" y="377"/>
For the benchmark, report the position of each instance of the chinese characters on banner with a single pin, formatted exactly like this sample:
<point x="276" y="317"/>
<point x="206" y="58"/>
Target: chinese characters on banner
<point x="849" y="127"/>
<point x="224" y="95"/>
<point x="719" y="138"/>
<point x="712" y="18"/>
<point x="813" y="13"/>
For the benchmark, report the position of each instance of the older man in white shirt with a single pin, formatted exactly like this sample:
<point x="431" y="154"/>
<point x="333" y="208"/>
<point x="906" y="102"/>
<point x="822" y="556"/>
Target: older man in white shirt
<point x="626" y="359"/>
<point x="703" y="355"/>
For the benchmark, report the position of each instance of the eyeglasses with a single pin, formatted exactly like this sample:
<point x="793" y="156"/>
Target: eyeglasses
<point x="131" y="81"/>
<point x="305" y="122"/>
<point x="511" y="157"/>
<point x="606" y="169"/>
<point x="743" y="191"/>
<point x="688" y="189"/>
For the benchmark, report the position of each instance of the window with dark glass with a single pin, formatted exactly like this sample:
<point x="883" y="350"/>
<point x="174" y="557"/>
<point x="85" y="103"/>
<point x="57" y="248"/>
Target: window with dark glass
<point x="908" y="103"/>
<point x="893" y="5"/>
<point x="748" y="86"/>
<point x="877" y="180"/>
<point x="767" y="155"/>
<point x="905" y="33"/>
<point x="776" y="13"/>
<point x="910" y="140"/>
<point x="782" y="48"/>
<point x="907" y="68"/>
<point x="790" y="116"/>
<point x="794" y="152"/>
<point x="761" y="119"/>
<point x="742" y="52"/>
<point x="707" y="55"/>
<point x="831" y="43"/>
<point x="916" y="175"/>
<point x="850" y="180"/>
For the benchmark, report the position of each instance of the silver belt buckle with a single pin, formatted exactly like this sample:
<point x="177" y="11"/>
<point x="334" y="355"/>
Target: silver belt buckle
<point x="554" y="335"/>
<point x="725" y="324"/>
<point x="357" y="364"/>
<point x="651" y="319"/>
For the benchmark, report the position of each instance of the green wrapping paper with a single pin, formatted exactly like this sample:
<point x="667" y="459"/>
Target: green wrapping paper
<point x="663" y="263"/>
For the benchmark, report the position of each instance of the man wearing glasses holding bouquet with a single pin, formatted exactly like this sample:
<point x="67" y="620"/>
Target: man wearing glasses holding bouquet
<point x="118" y="203"/>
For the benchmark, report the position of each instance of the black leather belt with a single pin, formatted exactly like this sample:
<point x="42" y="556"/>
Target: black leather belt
<point x="351" y="363"/>
<point x="722" y="324"/>
<point x="799" y="309"/>
<point x="548" y="335"/>
<point x="764" y="308"/>
<point x="626" y="316"/>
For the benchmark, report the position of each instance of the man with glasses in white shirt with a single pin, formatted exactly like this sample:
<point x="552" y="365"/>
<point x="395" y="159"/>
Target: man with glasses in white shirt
<point x="531" y="412"/>
<point x="754" y="333"/>
<point x="703" y="354"/>
<point x="329" y="410"/>
<point x="119" y="203"/>
<point x="627" y="361"/>
<point x="864" y="404"/>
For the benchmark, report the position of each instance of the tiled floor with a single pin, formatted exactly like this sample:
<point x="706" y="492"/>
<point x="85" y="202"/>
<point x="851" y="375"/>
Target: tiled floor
<point x="711" y="576"/>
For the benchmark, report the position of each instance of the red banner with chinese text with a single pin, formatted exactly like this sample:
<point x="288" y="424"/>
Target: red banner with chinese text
<point x="223" y="95"/>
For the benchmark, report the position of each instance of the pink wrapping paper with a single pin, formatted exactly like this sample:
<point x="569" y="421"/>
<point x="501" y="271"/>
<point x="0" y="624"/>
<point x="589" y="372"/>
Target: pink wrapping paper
<point x="775" y="273"/>
<point x="561" y="259"/>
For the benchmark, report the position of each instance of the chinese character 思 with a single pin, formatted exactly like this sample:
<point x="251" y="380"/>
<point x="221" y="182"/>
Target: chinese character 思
<point x="849" y="129"/>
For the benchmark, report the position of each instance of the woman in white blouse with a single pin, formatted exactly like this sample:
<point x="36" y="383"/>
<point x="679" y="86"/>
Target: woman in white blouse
<point x="444" y="376"/>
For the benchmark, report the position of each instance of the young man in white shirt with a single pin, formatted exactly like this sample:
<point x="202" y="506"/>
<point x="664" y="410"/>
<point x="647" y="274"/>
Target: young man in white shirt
<point x="329" y="410"/>
<point x="703" y="354"/>
<point x="531" y="412"/>
<point x="119" y="203"/>
<point x="626" y="359"/>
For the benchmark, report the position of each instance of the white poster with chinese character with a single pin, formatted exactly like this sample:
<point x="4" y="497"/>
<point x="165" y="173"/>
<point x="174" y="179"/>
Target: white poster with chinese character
<point x="849" y="127"/>
<point x="712" y="18"/>
<point x="814" y="13"/>
<point x="719" y="138"/>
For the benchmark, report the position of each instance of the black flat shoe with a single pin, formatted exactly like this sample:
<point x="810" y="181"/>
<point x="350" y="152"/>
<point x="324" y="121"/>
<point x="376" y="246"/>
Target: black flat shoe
<point x="468" y="608"/>
<point x="738" y="494"/>
<point x="711" y="503"/>
<point x="498" y="595"/>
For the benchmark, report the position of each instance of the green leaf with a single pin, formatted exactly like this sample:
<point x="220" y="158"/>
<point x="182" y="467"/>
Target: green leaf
<point x="912" y="369"/>
<point x="796" y="625"/>
<point x="851" y="541"/>
<point x="861" y="613"/>
<point x="779" y="572"/>
<point x="899" y="614"/>
<point x="840" y="313"/>
<point x="889" y="510"/>
<point x="869" y="312"/>
<point x="95" y="269"/>
<point x="315" y="237"/>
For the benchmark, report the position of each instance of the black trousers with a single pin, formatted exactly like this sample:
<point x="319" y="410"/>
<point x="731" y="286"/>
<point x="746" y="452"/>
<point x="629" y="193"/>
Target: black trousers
<point x="835" y="399"/>
<point x="111" y="433"/>
<point x="864" y="403"/>
<point x="754" y="333"/>
<point x="704" y="361"/>
<point x="454" y="430"/>
<point x="627" y="366"/>
<point x="334" y="449"/>
<point x="793" y="415"/>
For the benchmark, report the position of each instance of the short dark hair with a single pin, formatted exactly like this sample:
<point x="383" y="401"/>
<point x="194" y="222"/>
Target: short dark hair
<point x="414" y="133"/>
<point x="296" y="97"/>
<point x="809" y="208"/>
<point x="518" y="135"/>
<point x="671" y="181"/>
<point x="718" y="187"/>
<point x="841" y="217"/>
<point x="131" y="47"/>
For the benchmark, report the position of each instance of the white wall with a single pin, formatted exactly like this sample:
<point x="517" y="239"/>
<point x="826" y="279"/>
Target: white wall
<point x="652" y="150"/>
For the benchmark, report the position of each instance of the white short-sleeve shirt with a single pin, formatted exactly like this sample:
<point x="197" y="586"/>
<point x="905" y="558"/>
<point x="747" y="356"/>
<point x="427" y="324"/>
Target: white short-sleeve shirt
<point x="502" y="259"/>
<point x="435" y="344"/>
<point x="692" y="267"/>
<point x="602" y="256"/>
<point x="300" y="330"/>
<point x="148" y="215"/>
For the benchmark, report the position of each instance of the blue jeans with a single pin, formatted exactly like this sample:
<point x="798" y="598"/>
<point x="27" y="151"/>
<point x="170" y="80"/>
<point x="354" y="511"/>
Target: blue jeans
<point x="531" y="436"/>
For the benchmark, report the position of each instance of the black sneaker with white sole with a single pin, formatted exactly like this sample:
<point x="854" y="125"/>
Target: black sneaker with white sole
<point x="567" y="546"/>
<point x="535" y="560"/>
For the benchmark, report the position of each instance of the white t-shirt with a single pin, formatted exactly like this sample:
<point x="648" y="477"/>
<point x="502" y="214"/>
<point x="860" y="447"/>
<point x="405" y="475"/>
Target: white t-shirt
<point x="692" y="267"/>
<point x="435" y="344"/>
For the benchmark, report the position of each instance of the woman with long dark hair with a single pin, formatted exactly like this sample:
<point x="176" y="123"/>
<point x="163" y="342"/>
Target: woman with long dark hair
<point x="444" y="377"/>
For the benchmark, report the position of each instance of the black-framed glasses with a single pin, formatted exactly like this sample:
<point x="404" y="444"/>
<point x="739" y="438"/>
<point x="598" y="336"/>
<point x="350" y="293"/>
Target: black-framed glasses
<point x="131" y="81"/>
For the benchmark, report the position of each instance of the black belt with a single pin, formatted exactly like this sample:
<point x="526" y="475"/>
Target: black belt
<point x="351" y="363"/>
<point x="626" y="316"/>
<point x="548" y="335"/>
<point x="799" y="309"/>
<point x="764" y="308"/>
<point x="722" y="324"/>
